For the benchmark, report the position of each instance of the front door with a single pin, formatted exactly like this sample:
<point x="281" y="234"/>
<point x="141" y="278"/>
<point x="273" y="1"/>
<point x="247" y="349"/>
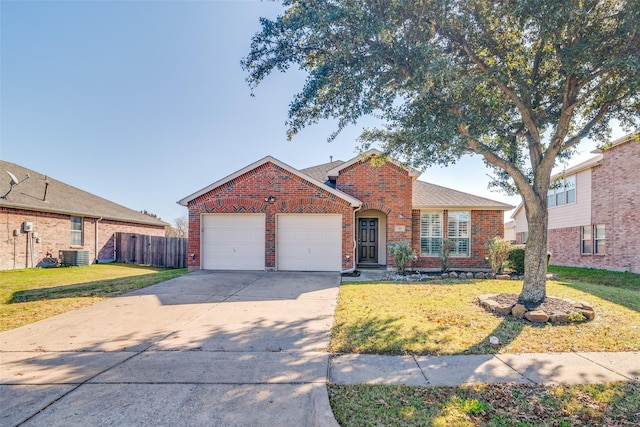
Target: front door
<point x="368" y="240"/>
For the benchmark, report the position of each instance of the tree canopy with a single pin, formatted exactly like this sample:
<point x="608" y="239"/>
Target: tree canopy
<point x="518" y="82"/>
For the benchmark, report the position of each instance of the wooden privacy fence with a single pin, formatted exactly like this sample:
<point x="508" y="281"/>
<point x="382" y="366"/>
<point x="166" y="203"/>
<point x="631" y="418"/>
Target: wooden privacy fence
<point x="152" y="250"/>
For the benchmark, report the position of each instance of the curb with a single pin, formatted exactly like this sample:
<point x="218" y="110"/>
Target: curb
<point x="321" y="413"/>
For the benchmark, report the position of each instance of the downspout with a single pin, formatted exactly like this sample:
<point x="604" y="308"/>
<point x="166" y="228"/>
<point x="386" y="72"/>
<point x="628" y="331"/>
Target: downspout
<point x="355" y="243"/>
<point x="96" y="241"/>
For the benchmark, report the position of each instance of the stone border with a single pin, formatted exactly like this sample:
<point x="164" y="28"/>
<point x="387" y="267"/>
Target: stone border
<point x="583" y="311"/>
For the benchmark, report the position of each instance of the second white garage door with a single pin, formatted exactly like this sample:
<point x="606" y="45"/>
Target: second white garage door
<point x="233" y="241"/>
<point x="309" y="242"/>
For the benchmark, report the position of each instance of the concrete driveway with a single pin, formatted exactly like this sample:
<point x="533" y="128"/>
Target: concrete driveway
<point x="207" y="348"/>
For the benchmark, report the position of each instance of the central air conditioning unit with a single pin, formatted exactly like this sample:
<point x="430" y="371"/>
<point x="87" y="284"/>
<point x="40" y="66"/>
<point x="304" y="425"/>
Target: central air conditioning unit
<point x="74" y="258"/>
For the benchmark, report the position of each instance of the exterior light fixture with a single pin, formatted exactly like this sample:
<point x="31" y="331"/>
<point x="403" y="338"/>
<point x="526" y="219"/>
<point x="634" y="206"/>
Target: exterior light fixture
<point x="270" y="199"/>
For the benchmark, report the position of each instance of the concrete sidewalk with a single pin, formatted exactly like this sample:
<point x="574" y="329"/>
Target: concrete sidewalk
<point x="526" y="368"/>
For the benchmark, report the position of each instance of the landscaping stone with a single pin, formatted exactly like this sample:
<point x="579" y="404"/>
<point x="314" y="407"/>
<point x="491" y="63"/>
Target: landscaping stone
<point x="551" y="276"/>
<point x="555" y="310"/>
<point x="503" y="277"/>
<point x="518" y="311"/>
<point x="469" y="275"/>
<point x="453" y="275"/>
<point x="445" y="275"/>
<point x="479" y="275"/>
<point x="537" y="316"/>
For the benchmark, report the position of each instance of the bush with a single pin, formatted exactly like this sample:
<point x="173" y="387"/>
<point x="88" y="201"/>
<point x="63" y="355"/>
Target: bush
<point x="447" y="247"/>
<point x="515" y="259"/>
<point x="402" y="253"/>
<point x="498" y="250"/>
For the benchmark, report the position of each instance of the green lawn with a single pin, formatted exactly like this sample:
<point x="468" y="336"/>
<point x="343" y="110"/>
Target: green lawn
<point x="429" y="318"/>
<point x="390" y="318"/>
<point x="613" y="404"/>
<point x="34" y="294"/>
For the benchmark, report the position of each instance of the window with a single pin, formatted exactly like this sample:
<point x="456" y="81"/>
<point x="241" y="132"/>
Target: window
<point x="430" y="233"/>
<point x="593" y="239"/>
<point x="562" y="191"/>
<point x="598" y="239"/>
<point x="458" y="233"/>
<point x="525" y="236"/>
<point x="586" y="240"/>
<point x="76" y="231"/>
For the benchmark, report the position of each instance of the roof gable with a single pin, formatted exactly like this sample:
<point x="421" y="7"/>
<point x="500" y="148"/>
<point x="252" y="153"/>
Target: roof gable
<point x="353" y="201"/>
<point x="62" y="198"/>
<point x="332" y="173"/>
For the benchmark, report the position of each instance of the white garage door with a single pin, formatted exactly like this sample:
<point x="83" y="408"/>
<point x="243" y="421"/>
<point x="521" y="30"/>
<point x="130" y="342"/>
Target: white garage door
<point x="233" y="241"/>
<point x="308" y="242"/>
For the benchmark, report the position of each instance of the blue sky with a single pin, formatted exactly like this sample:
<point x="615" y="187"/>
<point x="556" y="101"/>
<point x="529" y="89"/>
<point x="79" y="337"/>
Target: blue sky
<point x="145" y="102"/>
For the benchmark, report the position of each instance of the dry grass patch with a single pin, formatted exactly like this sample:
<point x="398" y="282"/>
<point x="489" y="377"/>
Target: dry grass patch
<point x="389" y="318"/>
<point x="614" y="404"/>
<point x="30" y="295"/>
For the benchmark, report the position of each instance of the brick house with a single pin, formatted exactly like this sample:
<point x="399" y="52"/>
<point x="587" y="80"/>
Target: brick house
<point x="336" y="216"/>
<point x="41" y="216"/>
<point x="594" y="210"/>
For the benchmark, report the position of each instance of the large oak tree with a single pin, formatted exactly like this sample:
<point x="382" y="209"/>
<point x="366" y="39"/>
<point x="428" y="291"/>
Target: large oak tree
<point x="519" y="82"/>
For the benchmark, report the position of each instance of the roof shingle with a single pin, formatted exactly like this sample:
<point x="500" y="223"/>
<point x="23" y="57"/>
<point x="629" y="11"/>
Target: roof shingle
<point x="62" y="198"/>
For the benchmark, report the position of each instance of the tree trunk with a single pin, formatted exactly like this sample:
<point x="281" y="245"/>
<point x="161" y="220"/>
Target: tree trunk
<point x="535" y="257"/>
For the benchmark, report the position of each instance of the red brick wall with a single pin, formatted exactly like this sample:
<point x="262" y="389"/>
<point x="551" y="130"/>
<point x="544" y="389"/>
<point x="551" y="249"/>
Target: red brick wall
<point x="484" y="225"/>
<point x="55" y="233"/>
<point x="387" y="188"/>
<point x="247" y="192"/>
<point x="616" y="204"/>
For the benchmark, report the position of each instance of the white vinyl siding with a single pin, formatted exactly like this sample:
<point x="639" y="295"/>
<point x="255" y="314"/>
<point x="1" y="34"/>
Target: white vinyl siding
<point x="578" y="212"/>
<point x="458" y="232"/>
<point x="430" y="234"/>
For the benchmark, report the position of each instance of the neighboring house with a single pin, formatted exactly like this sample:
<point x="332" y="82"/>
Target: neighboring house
<point x="335" y="217"/>
<point x="594" y="210"/>
<point x="510" y="231"/>
<point x="41" y="216"/>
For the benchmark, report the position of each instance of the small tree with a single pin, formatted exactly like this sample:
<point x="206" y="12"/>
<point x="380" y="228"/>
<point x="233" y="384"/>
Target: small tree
<point x="447" y="247"/>
<point x="498" y="252"/>
<point x="402" y="253"/>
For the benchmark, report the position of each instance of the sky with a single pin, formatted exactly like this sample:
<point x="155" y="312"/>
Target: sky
<point x="145" y="102"/>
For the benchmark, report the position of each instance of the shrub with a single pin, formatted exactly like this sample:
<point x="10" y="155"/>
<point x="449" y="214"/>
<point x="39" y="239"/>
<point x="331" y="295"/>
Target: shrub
<point x="499" y="250"/>
<point x="516" y="258"/>
<point x="447" y="246"/>
<point x="402" y="253"/>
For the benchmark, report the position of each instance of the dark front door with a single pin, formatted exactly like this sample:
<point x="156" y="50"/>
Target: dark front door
<point x="368" y="240"/>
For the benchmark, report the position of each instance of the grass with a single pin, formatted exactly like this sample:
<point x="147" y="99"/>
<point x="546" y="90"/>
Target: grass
<point x="443" y="318"/>
<point x="487" y="405"/>
<point x="30" y="295"/>
<point x="598" y="277"/>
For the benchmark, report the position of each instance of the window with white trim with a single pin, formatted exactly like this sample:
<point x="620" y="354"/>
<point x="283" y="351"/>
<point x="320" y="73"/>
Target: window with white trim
<point x="76" y="231"/>
<point x="430" y="234"/>
<point x="458" y="225"/>
<point x="598" y="239"/>
<point x="562" y="192"/>
<point x="593" y="239"/>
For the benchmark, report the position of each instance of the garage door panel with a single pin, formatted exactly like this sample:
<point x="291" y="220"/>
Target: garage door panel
<point x="233" y="241"/>
<point x="309" y="242"/>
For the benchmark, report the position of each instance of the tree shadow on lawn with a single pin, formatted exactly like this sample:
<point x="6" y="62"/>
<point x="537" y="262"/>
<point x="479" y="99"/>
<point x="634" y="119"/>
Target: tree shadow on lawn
<point x="628" y="298"/>
<point x="383" y="336"/>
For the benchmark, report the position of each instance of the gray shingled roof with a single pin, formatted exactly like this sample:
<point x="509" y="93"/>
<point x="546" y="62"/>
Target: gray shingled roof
<point x="62" y="198"/>
<point x="319" y="172"/>
<point x="427" y="195"/>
